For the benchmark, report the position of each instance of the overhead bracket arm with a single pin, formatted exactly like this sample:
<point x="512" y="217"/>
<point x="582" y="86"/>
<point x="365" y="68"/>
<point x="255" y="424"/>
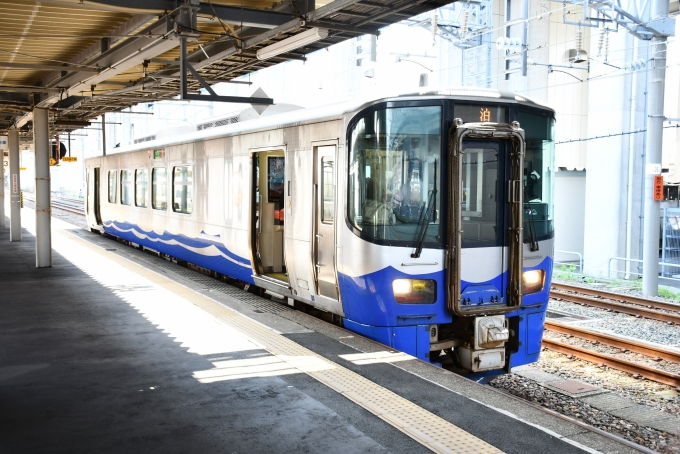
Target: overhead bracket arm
<point x="185" y="67"/>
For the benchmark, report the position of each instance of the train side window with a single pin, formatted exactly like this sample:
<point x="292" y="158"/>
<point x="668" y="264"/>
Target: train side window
<point x="182" y="186"/>
<point x="126" y="187"/>
<point x="159" y="189"/>
<point x="113" y="177"/>
<point x="141" y="187"/>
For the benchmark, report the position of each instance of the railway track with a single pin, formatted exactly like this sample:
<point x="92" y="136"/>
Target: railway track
<point x="61" y="203"/>
<point x="639" y="307"/>
<point x="614" y="362"/>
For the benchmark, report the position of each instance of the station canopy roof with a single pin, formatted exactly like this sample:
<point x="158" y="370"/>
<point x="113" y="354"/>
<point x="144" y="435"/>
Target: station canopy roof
<point x="83" y="58"/>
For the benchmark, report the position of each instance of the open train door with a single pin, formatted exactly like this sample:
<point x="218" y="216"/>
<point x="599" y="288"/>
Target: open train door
<point x="485" y="219"/>
<point x="93" y="195"/>
<point x="268" y="222"/>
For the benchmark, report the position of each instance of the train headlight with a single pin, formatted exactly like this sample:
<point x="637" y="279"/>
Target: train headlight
<point x="532" y="281"/>
<point x="414" y="291"/>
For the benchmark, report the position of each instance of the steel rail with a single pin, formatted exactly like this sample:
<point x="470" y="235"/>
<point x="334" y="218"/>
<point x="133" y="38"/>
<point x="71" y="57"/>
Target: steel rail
<point x="70" y="209"/>
<point x="613" y="341"/>
<point x="667" y="378"/>
<point x="60" y="205"/>
<point x="618" y="297"/>
<point x="617" y="307"/>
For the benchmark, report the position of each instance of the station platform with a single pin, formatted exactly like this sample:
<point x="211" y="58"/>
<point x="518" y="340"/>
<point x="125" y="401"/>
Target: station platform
<point x="116" y="350"/>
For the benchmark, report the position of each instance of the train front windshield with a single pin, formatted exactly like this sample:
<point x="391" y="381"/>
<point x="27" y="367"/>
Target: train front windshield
<point x="539" y="178"/>
<point x="395" y="165"/>
<point x="394" y="174"/>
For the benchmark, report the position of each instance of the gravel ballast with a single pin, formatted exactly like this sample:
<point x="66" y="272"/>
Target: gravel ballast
<point x="532" y="391"/>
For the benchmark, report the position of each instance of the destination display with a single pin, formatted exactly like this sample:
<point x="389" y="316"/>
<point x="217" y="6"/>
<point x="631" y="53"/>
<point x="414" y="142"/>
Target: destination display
<point x="477" y="113"/>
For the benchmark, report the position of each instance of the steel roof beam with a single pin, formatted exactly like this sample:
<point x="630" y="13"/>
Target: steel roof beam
<point x="226" y="49"/>
<point x="116" y="35"/>
<point x="36" y="67"/>
<point x="118" y="59"/>
<point x="18" y="89"/>
<point x="249" y="17"/>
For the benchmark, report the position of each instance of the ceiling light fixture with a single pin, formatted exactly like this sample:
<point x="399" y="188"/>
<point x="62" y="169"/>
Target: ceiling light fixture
<point x="294" y="42"/>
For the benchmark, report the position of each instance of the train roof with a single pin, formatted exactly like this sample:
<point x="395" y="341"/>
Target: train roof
<point x="333" y="112"/>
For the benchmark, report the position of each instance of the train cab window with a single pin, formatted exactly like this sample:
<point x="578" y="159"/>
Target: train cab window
<point x="113" y="187"/>
<point x="479" y="198"/>
<point x="126" y="187"/>
<point x="182" y="186"/>
<point x="539" y="178"/>
<point x="141" y="187"/>
<point x="394" y="169"/>
<point x="159" y="196"/>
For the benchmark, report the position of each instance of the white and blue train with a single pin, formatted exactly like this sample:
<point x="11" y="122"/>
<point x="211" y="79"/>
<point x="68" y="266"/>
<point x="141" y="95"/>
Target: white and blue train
<point x="422" y="221"/>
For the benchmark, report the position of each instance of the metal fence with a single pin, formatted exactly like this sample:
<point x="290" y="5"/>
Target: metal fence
<point x="670" y="246"/>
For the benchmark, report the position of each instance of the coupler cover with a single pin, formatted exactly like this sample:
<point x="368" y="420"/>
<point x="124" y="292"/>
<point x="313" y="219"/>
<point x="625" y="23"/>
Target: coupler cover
<point x="490" y="332"/>
<point x="481" y="360"/>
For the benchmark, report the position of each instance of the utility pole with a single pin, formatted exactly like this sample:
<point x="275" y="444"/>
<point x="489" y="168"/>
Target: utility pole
<point x="655" y="118"/>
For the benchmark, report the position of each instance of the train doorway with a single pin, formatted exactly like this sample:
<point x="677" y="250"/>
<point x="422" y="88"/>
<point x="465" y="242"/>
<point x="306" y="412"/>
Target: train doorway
<point x="323" y="244"/>
<point x="485" y="220"/>
<point x="267" y="217"/>
<point x="96" y="203"/>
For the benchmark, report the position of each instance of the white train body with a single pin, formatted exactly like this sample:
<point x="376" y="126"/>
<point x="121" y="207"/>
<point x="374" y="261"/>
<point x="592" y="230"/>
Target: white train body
<point x="284" y="202"/>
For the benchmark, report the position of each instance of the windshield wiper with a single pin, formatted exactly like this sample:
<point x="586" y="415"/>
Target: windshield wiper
<point x="427" y="214"/>
<point x="533" y="241"/>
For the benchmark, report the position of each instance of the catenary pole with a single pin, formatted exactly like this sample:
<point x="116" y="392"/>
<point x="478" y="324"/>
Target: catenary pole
<point x="655" y="88"/>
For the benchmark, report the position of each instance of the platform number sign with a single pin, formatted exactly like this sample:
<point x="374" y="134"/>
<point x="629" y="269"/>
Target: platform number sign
<point x="658" y="187"/>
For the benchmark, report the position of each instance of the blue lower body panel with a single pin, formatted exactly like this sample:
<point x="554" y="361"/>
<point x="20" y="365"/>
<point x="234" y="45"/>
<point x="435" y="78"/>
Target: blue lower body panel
<point x="530" y="335"/>
<point x="413" y="340"/>
<point x="208" y="253"/>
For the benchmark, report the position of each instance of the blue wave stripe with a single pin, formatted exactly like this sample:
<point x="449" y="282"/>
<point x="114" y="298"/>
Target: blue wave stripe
<point x="183" y="239"/>
<point x="185" y="248"/>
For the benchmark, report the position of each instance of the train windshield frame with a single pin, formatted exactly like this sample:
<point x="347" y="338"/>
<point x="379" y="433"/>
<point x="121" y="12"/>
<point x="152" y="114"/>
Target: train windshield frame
<point x="539" y="172"/>
<point x="395" y="173"/>
<point x="393" y="148"/>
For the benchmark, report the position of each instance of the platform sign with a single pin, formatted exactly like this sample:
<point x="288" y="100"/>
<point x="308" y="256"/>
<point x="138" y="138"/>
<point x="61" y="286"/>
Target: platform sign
<point x="69" y="159"/>
<point x="658" y="188"/>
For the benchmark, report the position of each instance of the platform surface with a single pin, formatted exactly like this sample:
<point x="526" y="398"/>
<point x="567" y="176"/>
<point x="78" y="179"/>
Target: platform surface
<point x="115" y="350"/>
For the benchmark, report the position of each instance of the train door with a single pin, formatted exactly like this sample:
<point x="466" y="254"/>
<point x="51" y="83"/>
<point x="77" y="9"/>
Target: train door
<point x="323" y="243"/>
<point x="486" y="219"/>
<point x="94" y="185"/>
<point x="267" y="217"/>
<point x="483" y="220"/>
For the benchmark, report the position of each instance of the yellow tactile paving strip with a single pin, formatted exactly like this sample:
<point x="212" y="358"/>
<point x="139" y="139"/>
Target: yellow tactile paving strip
<point x="428" y="429"/>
